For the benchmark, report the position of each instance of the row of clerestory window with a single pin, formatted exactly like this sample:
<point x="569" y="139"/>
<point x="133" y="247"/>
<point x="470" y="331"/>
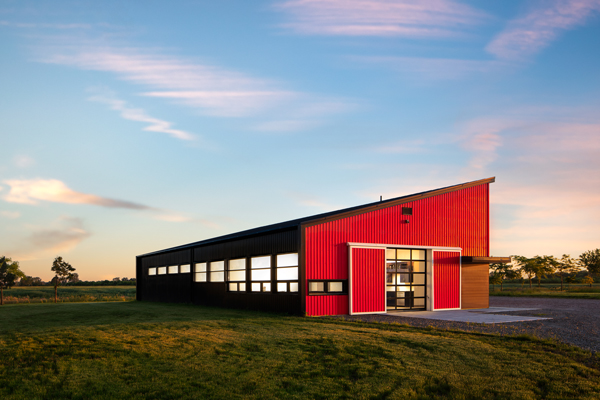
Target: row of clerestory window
<point x="259" y="273"/>
<point x="170" y="269"/>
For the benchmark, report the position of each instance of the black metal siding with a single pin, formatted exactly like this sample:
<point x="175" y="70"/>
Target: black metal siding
<point x="182" y="288"/>
<point x="216" y="294"/>
<point x="175" y="288"/>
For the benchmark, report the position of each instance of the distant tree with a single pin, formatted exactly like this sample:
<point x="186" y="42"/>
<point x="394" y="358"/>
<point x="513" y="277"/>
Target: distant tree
<point x="31" y="281"/>
<point x="566" y="266"/>
<point x="588" y="280"/>
<point x="74" y="278"/>
<point x="63" y="271"/>
<point x="26" y="281"/>
<point x="495" y="279"/>
<point x="571" y="279"/>
<point x="527" y="266"/>
<point x="9" y="272"/>
<point x="503" y="271"/>
<point x="37" y="281"/>
<point x="544" y="266"/>
<point x="590" y="260"/>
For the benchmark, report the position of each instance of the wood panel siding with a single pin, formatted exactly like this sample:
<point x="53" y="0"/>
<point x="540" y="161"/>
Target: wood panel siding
<point x="475" y="286"/>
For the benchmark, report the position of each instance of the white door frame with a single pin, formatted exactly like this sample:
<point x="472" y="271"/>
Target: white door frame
<point x="430" y="271"/>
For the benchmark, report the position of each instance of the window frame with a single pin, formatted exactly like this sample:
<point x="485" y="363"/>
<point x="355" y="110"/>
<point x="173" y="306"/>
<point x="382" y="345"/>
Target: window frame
<point x="198" y="272"/>
<point x="288" y="282"/>
<point x="252" y="281"/>
<point x="326" y="291"/>
<point x="211" y="271"/>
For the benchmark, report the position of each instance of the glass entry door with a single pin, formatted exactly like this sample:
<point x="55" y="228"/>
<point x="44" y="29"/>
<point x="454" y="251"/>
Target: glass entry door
<point x="406" y="279"/>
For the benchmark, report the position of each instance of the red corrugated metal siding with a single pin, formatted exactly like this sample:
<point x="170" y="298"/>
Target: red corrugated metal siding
<point x="446" y="279"/>
<point x="455" y="219"/>
<point x="326" y="305"/>
<point x="368" y="280"/>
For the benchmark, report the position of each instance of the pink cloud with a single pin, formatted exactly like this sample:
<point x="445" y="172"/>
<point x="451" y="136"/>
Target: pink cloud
<point x="410" y="18"/>
<point x="532" y="32"/>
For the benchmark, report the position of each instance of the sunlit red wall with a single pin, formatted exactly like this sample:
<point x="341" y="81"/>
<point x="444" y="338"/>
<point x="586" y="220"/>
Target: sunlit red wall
<point x="368" y="280"/>
<point x="455" y="219"/>
<point x="446" y="279"/>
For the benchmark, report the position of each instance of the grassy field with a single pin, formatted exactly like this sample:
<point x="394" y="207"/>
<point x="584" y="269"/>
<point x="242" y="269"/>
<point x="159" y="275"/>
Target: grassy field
<point x="575" y="291"/>
<point x="45" y="294"/>
<point x="167" y="351"/>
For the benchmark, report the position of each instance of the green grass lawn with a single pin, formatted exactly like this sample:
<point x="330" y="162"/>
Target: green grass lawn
<point x="575" y="291"/>
<point x="168" y="351"/>
<point x="45" y="294"/>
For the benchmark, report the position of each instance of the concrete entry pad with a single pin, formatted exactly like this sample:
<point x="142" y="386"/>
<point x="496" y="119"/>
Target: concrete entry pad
<point x="478" y="316"/>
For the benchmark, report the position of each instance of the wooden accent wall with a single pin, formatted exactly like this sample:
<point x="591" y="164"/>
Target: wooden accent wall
<point x="475" y="286"/>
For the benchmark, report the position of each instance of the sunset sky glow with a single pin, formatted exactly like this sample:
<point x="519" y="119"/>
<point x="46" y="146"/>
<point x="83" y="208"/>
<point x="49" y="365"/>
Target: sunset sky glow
<point x="128" y="127"/>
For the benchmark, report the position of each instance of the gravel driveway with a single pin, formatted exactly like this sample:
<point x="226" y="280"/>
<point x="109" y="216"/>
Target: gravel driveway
<point x="574" y="321"/>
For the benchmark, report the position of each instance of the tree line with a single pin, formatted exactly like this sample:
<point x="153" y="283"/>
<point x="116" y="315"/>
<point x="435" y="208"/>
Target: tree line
<point x="64" y="274"/>
<point x="538" y="267"/>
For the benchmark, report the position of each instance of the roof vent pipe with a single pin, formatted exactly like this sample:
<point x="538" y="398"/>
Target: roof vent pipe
<point x="380" y="198"/>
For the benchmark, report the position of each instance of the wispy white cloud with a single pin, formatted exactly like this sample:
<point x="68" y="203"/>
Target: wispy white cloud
<point x="137" y="114"/>
<point x="214" y="90"/>
<point x="35" y="190"/>
<point x="482" y="137"/>
<point x="530" y="33"/>
<point x="409" y="18"/>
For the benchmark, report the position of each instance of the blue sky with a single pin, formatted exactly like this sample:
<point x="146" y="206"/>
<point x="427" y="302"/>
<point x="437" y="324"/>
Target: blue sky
<point x="128" y="126"/>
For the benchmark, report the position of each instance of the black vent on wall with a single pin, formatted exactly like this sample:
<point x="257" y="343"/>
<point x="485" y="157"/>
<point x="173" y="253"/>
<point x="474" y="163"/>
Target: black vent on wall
<point x="406" y="210"/>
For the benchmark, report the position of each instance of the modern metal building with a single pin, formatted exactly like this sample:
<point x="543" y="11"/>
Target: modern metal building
<point x="427" y="251"/>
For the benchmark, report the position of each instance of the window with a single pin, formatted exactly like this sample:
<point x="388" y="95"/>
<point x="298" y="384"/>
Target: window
<point x="237" y="270"/>
<point x="217" y="271"/>
<point x="185" y="269"/>
<point x="260" y="273"/>
<point x="316" y="287"/>
<point x="328" y="287"/>
<point x="287" y="270"/>
<point x="162" y="270"/>
<point x="174" y="269"/>
<point x="406" y="279"/>
<point x="333" y="287"/>
<point x="237" y="286"/>
<point x="406" y="210"/>
<point x="152" y="271"/>
<point x="261" y="286"/>
<point x="200" y="270"/>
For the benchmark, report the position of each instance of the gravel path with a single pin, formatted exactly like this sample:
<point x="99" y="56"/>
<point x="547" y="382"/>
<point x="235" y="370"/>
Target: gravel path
<point x="574" y="321"/>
